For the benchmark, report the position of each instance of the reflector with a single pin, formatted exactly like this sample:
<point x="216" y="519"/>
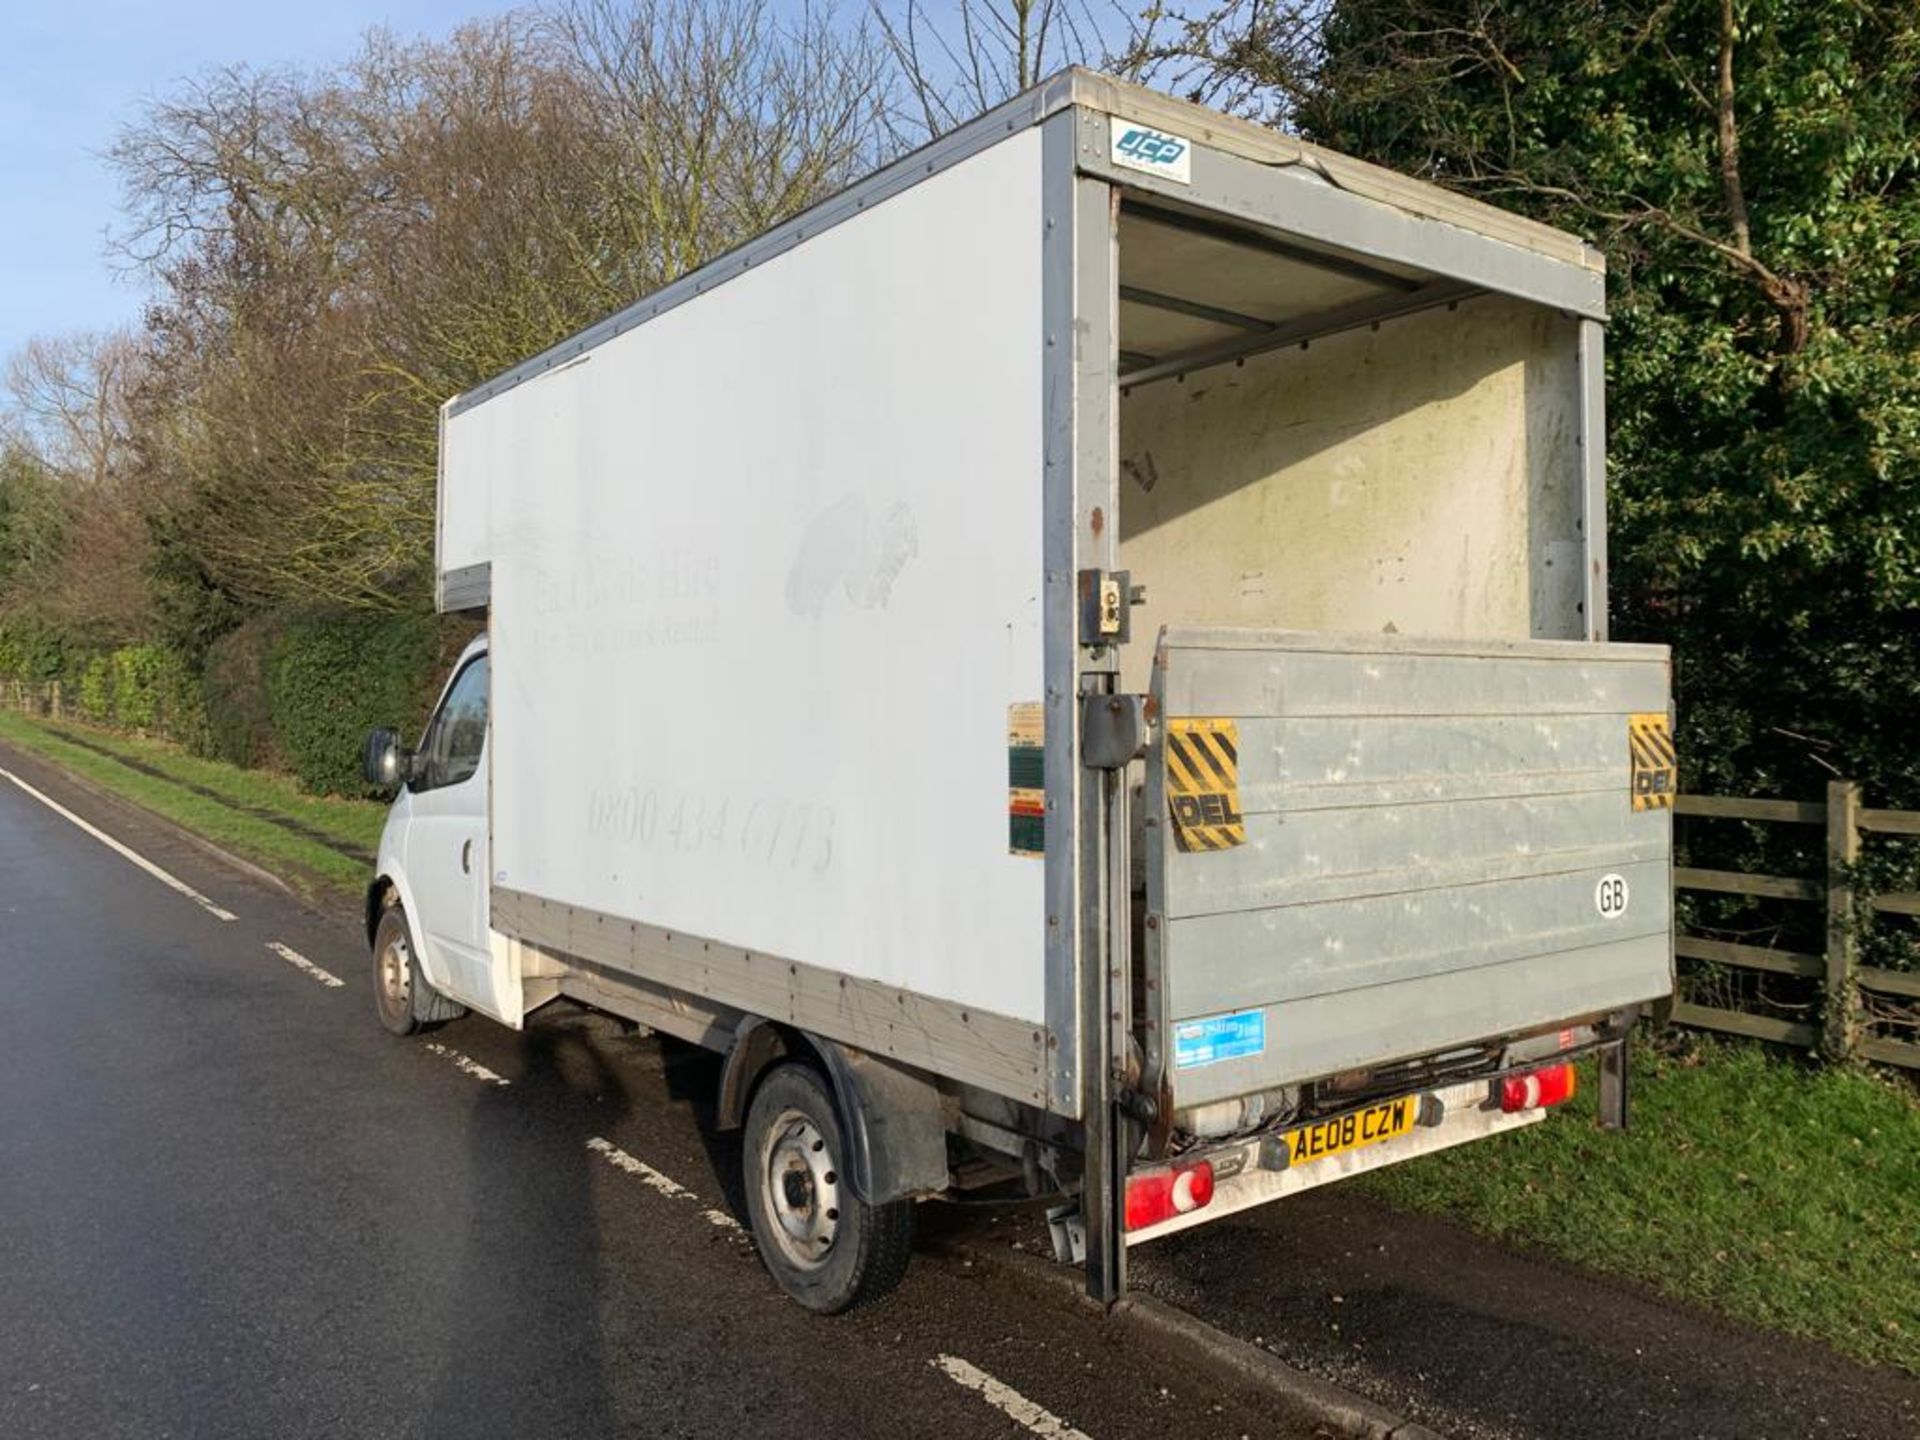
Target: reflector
<point x="1156" y="1195"/>
<point x="1537" y="1089"/>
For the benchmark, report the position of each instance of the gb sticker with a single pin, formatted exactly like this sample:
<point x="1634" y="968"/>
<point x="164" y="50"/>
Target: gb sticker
<point x="1610" y="896"/>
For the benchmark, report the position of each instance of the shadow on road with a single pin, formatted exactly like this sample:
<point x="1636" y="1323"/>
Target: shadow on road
<point x="523" y="1341"/>
<point x="692" y="1077"/>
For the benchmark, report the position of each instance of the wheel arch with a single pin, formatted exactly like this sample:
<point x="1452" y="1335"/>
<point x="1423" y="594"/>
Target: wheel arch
<point x="386" y="890"/>
<point x="381" y="892"/>
<point x="894" y="1118"/>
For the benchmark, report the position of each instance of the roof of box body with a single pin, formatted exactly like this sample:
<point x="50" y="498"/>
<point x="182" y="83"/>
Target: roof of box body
<point x="1270" y="147"/>
<point x="1105" y="95"/>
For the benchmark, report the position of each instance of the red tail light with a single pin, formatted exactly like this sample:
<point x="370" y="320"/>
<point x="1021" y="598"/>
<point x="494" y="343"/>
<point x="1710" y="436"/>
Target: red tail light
<point x="1537" y="1089"/>
<point x="1156" y="1195"/>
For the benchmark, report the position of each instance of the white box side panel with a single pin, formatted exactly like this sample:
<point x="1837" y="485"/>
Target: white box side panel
<point x="766" y="578"/>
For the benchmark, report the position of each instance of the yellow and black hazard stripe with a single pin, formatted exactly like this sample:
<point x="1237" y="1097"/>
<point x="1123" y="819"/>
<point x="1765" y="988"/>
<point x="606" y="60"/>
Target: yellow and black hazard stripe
<point x="1203" y="783"/>
<point x="1655" y="764"/>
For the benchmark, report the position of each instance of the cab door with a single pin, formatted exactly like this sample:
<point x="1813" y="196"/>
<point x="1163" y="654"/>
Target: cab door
<point x="446" y="848"/>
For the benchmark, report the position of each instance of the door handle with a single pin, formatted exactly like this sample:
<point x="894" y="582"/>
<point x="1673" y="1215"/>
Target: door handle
<point x="466" y="858"/>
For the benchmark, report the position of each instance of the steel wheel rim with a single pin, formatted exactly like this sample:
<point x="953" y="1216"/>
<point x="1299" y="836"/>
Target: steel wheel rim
<point x="396" y="974"/>
<point x="800" y="1182"/>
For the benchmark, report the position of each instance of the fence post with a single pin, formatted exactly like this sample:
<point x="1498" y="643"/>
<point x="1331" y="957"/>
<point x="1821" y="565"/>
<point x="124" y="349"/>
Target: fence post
<point x="56" y="699"/>
<point x="1843" y="940"/>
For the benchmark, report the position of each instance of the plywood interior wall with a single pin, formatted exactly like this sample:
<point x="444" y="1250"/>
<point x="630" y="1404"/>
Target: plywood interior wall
<point x="1421" y="478"/>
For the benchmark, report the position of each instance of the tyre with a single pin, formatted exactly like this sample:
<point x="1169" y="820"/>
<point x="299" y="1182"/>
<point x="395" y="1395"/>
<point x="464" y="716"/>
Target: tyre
<point x="823" y="1245"/>
<point x="402" y="998"/>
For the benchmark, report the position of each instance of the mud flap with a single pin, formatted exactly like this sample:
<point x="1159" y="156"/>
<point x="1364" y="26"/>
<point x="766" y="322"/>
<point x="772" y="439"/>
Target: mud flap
<point x="896" y="1127"/>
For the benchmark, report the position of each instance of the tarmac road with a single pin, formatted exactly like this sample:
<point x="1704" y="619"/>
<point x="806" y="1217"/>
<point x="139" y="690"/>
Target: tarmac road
<point x="232" y="1205"/>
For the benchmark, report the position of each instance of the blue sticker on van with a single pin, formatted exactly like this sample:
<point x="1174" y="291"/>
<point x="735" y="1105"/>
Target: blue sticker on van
<point x="1150" y="147"/>
<point x="1219" y="1037"/>
<point x="1139" y="147"/>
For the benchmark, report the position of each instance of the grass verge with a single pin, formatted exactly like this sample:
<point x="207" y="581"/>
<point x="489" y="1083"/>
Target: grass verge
<point x="351" y="822"/>
<point x="306" y="863"/>
<point x="1757" y="1186"/>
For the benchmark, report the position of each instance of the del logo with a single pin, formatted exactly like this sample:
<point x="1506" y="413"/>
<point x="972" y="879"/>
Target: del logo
<point x="1154" y="151"/>
<point x="1209" y="808"/>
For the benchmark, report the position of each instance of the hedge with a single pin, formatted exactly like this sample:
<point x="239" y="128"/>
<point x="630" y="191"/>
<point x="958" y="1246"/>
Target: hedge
<point x="233" y="688"/>
<point x="332" y="677"/>
<point x="96" y="690"/>
<point x="295" y="692"/>
<point x="153" y="691"/>
<point x="144" y="688"/>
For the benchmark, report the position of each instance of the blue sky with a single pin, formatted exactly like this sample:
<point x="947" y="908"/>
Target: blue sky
<point x="73" y="71"/>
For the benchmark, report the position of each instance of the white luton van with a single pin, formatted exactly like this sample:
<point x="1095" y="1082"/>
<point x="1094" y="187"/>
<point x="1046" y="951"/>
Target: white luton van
<point x="1079" y="665"/>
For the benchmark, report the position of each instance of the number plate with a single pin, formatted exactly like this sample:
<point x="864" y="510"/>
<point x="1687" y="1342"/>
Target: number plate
<point x="1352" y="1132"/>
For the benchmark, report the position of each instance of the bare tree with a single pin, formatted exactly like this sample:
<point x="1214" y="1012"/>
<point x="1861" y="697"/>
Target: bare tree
<point x="69" y="398"/>
<point x="70" y="408"/>
<point x="721" y="119"/>
<point x="1253" y="58"/>
<point x="985" y="51"/>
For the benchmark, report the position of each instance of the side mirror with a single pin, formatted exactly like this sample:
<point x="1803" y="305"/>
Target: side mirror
<point x="385" y="763"/>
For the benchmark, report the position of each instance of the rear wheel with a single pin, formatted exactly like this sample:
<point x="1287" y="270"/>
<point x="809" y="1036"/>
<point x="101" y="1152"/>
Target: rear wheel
<point x="402" y="998"/>
<point x="824" y="1245"/>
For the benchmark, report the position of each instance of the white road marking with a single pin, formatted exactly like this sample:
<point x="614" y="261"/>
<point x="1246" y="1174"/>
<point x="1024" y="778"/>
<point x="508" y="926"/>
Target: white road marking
<point x="300" y="962"/>
<point x="665" y="1184"/>
<point x="1007" y="1400"/>
<point x="173" y="881"/>
<point x="467" y="1065"/>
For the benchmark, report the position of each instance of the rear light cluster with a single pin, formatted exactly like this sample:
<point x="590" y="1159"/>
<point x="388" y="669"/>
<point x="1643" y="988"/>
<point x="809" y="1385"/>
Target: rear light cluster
<point x="1537" y="1089"/>
<point x="1156" y="1195"/>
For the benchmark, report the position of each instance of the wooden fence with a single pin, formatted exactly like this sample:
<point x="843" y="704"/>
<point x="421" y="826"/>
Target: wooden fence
<point x="1844" y="982"/>
<point x="35" y="698"/>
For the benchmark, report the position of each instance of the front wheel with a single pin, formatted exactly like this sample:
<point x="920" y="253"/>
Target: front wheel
<point x="402" y="998"/>
<point x="823" y="1245"/>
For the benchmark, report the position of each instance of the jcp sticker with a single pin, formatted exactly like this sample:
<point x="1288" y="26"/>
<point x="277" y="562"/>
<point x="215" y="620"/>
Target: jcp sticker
<point x="1610" y="896"/>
